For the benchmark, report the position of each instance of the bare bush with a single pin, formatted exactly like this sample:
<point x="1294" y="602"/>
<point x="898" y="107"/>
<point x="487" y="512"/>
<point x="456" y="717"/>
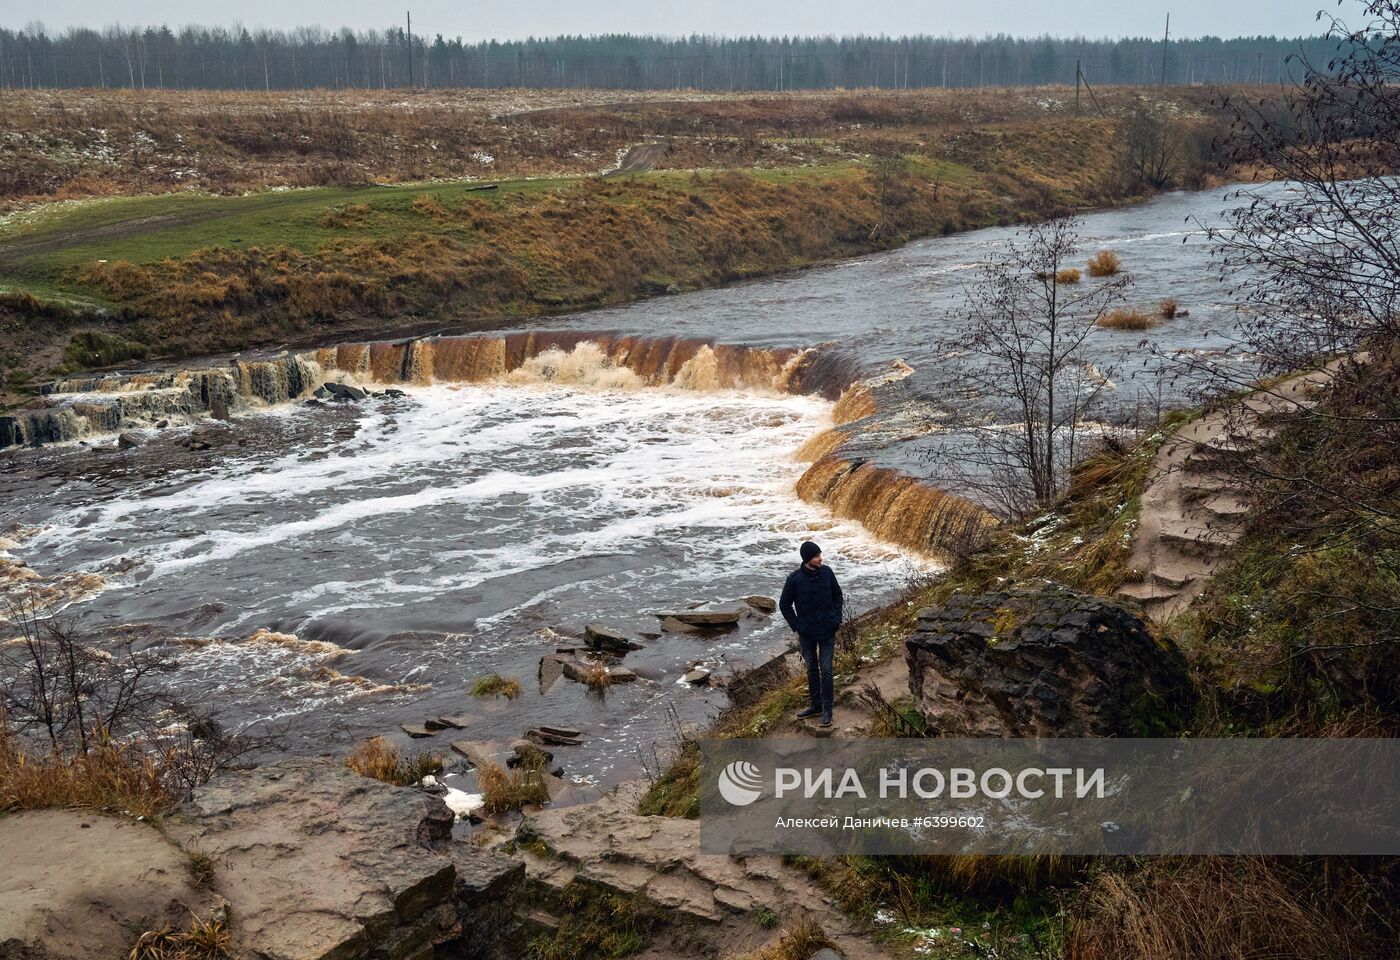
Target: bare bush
<point x="1154" y="149"/>
<point x="112" y="738"/>
<point x="71" y="692"/>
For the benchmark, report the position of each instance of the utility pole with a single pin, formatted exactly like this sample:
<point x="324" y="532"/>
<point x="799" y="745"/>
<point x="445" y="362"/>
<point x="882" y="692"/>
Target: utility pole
<point x="1166" y="37"/>
<point x="1078" y="75"/>
<point x="410" y="49"/>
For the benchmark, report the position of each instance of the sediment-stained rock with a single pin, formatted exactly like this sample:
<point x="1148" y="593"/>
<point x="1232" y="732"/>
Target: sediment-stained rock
<point x="1043" y="660"/>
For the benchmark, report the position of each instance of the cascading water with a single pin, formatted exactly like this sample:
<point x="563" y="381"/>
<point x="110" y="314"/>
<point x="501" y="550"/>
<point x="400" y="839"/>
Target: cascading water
<point x="365" y="572"/>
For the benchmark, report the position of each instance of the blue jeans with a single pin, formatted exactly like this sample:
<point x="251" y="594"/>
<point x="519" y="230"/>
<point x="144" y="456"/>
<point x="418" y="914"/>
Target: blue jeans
<point x="817" y="653"/>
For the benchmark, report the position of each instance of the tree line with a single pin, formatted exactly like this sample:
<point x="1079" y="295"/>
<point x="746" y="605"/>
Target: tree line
<point x="311" y="57"/>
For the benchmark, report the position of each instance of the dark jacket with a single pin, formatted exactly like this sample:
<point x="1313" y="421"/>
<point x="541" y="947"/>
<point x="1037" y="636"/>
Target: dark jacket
<point x="817" y="598"/>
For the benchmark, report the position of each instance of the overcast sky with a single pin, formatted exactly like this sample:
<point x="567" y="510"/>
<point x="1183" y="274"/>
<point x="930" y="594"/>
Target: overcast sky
<point x="475" y="20"/>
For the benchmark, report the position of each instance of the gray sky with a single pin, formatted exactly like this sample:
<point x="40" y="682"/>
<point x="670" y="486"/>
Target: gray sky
<point x="475" y="20"/>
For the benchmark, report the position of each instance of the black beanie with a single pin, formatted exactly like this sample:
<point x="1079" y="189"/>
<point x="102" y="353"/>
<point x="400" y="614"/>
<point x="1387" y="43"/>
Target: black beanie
<point x="810" y="550"/>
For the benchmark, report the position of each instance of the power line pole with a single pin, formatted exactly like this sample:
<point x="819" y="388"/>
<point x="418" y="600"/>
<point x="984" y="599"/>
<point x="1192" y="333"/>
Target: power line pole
<point x="1166" y="37"/>
<point x="410" y="49"/>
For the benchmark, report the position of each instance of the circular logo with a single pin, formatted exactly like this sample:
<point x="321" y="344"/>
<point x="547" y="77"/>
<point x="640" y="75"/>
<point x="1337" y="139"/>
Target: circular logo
<point x="740" y="783"/>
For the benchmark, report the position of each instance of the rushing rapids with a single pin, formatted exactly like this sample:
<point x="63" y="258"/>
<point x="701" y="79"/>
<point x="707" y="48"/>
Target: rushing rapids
<point x="353" y="566"/>
<point x="893" y="504"/>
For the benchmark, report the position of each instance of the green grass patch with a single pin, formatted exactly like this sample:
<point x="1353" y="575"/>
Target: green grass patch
<point x="598" y="925"/>
<point x="495" y="685"/>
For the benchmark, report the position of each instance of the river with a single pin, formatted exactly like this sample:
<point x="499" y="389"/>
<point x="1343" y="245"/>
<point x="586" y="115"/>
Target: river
<point x="344" y="569"/>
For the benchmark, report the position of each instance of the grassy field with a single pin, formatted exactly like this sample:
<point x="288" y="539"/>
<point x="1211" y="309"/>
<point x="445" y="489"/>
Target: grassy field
<point x="220" y="243"/>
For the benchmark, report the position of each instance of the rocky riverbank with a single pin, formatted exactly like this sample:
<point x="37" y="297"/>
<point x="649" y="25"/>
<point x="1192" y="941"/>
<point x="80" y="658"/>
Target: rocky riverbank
<point x="297" y="859"/>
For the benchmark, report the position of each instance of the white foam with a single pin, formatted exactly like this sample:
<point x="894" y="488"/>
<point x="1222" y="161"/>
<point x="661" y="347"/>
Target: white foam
<point x="542" y="474"/>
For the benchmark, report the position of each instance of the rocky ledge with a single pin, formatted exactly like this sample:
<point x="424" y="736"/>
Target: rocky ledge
<point x="1043" y="661"/>
<point x="301" y="860"/>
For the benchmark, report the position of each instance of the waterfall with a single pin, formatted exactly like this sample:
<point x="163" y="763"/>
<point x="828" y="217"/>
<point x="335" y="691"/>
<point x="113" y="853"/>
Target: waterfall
<point x="891" y="503"/>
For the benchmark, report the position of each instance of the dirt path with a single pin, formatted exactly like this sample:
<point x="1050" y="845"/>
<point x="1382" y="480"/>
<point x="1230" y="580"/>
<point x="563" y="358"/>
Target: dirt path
<point x="639" y="159"/>
<point x="16" y="249"/>
<point x="1193" y="504"/>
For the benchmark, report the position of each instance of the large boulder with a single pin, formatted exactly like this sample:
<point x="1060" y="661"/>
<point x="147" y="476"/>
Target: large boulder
<point x="367" y="861"/>
<point x="318" y="863"/>
<point x="1040" y="661"/>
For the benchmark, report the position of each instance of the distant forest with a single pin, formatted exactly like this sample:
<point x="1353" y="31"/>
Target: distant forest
<point x="239" y="59"/>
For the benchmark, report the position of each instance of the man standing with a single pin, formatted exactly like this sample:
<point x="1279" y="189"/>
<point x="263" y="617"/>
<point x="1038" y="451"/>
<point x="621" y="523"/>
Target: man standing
<point x="811" y="605"/>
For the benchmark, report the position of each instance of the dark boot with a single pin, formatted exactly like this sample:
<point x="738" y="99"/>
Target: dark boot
<point x="809" y="712"/>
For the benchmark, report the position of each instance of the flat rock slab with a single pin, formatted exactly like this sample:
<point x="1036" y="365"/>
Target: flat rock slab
<point x="762" y="604"/>
<point x="317" y="862"/>
<point x="609" y="639"/>
<point x="81" y="885"/>
<point x="545" y="736"/>
<point x="726" y="617"/>
<point x="419" y="731"/>
<point x="479" y="753"/>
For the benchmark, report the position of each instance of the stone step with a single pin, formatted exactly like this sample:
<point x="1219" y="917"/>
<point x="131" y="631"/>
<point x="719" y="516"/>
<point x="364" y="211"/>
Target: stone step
<point x="1200" y="486"/>
<point x="1173" y="579"/>
<point x="1226" y="505"/>
<point x="541" y="922"/>
<point x="1146" y="591"/>
<point x="1199" y="541"/>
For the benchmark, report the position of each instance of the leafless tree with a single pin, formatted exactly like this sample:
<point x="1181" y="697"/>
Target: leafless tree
<point x="68" y="690"/>
<point x="1312" y="253"/>
<point x="1315" y="250"/>
<point x="1153" y="149"/>
<point x="1024" y="370"/>
<point x="893" y="186"/>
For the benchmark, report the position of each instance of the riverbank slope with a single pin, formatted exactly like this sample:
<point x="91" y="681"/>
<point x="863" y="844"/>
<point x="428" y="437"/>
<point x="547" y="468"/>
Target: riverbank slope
<point x="744" y="187"/>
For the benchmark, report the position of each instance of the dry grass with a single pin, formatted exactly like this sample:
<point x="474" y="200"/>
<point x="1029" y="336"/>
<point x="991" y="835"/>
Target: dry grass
<point x="379" y="759"/>
<point x="204" y="940"/>
<point x="1168" y="308"/>
<point x="80" y="143"/>
<point x="1105" y="263"/>
<point x="1127" y="318"/>
<point x="798" y="941"/>
<point x="495" y="685"/>
<point x="505" y="790"/>
<point x="1068" y="275"/>
<point x="1232" y="908"/>
<point x="597" y="678"/>
<point x="109" y="777"/>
